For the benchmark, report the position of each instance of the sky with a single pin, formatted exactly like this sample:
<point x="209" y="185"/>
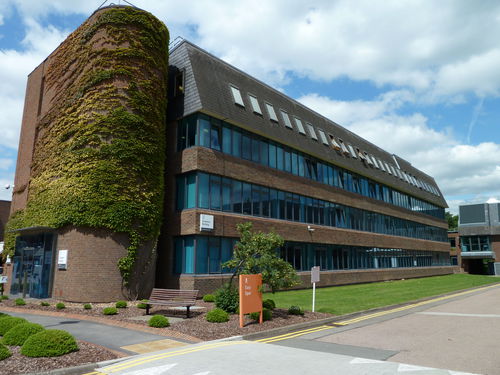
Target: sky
<point x="421" y="79"/>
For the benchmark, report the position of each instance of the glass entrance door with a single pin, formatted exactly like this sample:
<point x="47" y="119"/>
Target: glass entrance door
<point x="33" y="265"/>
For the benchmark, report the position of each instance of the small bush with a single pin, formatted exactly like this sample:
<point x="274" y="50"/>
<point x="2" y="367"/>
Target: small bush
<point x="266" y="315"/>
<point x="295" y="310"/>
<point x="217" y="316"/>
<point x="269" y="304"/>
<point x="4" y="352"/>
<point x="227" y="298"/>
<point x="158" y="321"/>
<point x="8" y="322"/>
<point x="60" y="306"/>
<point x="208" y="298"/>
<point x="121" y="304"/>
<point x="87" y="306"/>
<point x="17" y="335"/>
<point x="45" y="304"/>
<point x="20" y="302"/>
<point x="4" y="297"/>
<point x="3" y="315"/>
<point x="49" y="343"/>
<point x="143" y="304"/>
<point x="110" y="311"/>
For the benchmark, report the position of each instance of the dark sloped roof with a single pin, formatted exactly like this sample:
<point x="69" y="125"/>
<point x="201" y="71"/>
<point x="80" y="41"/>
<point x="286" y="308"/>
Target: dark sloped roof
<point x="207" y="88"/>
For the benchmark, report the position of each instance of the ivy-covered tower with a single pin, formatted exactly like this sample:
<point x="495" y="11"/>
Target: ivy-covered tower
<point x="87" y="204"/>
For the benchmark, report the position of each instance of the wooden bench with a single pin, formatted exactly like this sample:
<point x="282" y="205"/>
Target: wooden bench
<point x="172" y="297"/>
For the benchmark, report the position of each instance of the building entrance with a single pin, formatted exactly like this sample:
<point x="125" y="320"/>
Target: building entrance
<point x="32" y="265"/>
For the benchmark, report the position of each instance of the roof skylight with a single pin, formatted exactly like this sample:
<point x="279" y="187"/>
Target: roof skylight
<point x="288" y="124"/>
<point x="298" y="123"/>
<point x="272" y="113"/>
<point x="237" y="96"/>
<point x="322" y="135"/>
<point x="312" y="133"/>
<point x="255" y="104"/>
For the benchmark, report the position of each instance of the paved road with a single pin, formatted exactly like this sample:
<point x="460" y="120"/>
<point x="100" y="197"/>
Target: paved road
<point x="445" y="336"/>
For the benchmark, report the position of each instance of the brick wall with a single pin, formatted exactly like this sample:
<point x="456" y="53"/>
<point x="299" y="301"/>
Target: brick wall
<point x="4" y="216"/>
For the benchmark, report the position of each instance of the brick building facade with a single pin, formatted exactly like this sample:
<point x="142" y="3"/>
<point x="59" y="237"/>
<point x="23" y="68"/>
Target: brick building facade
<point x="238" y="150"/>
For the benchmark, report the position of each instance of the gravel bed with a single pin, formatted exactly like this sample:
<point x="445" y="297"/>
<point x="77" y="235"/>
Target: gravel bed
<point x="194" y="327"/>
<point x="19" y="364"/>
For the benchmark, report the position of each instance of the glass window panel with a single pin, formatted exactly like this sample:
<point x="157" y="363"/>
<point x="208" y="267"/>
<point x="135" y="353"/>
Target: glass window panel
<point x="255" y="150"/>
<point x="322" y="135"/>
<point x="264" y="153"/>
<point x="226" y="252"/>
<point x="247" y="198"/>
<point x="215" y="137"/>
<point x="302" y="163"/>
<point x="286" y="119"/>
<point x="281" y="205"/>
<point x="189" y="255"/>
<point x="312" y="132"/>
<point x="237" y="96"/>
<point x="181" y="192"/>
<point x="214" y="254"/>
<point x="236" y="143"/>
<point x="246" y="147"/>
<point x="236" y="196"/>
<point x="191" y="132"/>
<point x="215" y="192"/>
<point x="300" y="126"/>
<point x="191" y="191"/>
<point x="288" y="161"/>
<point x="279" y="158"/>
<point x="256" y="211"/>
<point x="272" y="156"/>
<point x="201" y="254"/>
<point x="226" y="140"/>
<point x="179" y="255"/>
<point x="255" y="104"/>
<point x="204" y="126"/>
<point x="226" y="195"/>
<point x="271" y="112"/>
<point x="264" y="194"/>
<point x="273" y="196"/>
<point x="203" y="190"/>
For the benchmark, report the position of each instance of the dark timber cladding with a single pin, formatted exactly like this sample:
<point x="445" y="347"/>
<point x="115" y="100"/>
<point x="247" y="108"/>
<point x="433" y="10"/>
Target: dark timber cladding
<point x="362" y="237"/>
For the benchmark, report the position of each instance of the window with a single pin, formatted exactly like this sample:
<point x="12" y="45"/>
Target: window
<point x="288" y="124"/>
<point x="335" y="145"/>
<point x="179" y="83"/>
<point x="237" y="96"/>
<point x="272" y="113"/>
<point x="352" y="152"/>
<point x="322" y="135"/>
<point x="343" y="147"/>
<point x="312" y="133"/>
<point x="298" y="123"/>
<point x="381" y="165"/>
<point x="255" y="104"/>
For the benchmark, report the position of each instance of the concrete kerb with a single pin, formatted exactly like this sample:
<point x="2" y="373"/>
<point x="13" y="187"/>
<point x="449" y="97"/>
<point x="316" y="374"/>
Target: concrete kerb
<point x="89" y="367"/>
<point x="316" y="323"/>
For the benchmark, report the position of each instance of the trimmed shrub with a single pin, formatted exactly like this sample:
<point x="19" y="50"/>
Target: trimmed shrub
<point x="4" y="297"/>
<point x="227" y="298"/>
<point x="4" y="352"/>
<point x="8" y="322"/>
<point x="20" y="302"/>
<point x="269" y="304"/>
<point x="208" y="298"/>
<point x="295" y="310"/>
<point x="3" y="315"/>
<point x="158" y="321"/>
<point x="45" y="304"/>
<point x="217" y="316"/>
<point x="17" y="335"/>
<point x="143" y="304"/>
<point x="121" y="304"/>
<point x="49" y="343"/>
<point x="266" y="315"/>
<point x="87" y="306"/>
<point x="110" y="311"/>
<point x="60" y="306"/>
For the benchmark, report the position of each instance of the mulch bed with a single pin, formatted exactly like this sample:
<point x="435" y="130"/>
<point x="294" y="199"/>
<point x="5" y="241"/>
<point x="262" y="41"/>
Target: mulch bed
<point x="194" y="329"/>
<point x="88" y="353"/>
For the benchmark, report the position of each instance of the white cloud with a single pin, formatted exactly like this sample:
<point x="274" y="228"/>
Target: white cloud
<point x="458" y="169"/>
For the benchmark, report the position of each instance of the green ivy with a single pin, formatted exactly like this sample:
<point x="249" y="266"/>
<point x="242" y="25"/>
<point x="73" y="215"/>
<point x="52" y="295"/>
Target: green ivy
<point x="100" y="152"/>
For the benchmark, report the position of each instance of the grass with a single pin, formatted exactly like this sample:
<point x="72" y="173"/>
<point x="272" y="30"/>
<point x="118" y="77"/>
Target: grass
<point x="351" y="298"/>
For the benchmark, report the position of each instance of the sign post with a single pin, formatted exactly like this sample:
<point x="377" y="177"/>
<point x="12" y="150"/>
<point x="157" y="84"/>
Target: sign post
<point x="250" y="295"/>
<point x="314" y="280"/>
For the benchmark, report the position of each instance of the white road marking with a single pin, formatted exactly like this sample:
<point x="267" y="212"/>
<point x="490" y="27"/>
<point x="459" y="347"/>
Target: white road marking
<point x="407" y="368"/>
<point x="461" y="373"/>
<point x="458" y="314"/>
<point x="364" y="360"/>
<point x="158" y="370"/>
<point x="203" y="373"/>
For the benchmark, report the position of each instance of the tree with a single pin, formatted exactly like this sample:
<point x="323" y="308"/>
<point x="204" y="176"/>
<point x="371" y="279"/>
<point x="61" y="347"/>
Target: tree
<point x="452" y="220"/>
<point x="255" y="252"/>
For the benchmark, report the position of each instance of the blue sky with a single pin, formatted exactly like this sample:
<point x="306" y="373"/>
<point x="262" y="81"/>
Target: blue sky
<point x="418" y="79"/>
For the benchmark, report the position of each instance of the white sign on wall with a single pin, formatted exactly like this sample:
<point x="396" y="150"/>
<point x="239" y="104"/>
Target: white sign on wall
<point x="206" y="222"/>
<point x="3" y="279"/>
<point x="62" y="259"/>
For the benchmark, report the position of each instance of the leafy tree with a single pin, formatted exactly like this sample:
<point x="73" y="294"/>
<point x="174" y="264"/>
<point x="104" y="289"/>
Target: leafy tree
<point x="255" y="253"/>
<point x="452" y="220"/>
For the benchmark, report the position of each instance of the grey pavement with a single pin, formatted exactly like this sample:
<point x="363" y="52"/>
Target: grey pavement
<point x="106" y="335"/>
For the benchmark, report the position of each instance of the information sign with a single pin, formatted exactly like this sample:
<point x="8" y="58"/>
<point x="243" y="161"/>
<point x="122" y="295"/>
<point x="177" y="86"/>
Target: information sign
<point x="250" y="295"/>
<point x="3" y="279"/>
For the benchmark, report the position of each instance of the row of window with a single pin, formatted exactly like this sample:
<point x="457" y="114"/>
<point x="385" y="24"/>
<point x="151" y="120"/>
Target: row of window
<point x="202" y="130"/>
<point x="214" y="192"/>
<point x="204" y="254"/>
<point x="338" y="144"/>
<point x="475" y="243"/>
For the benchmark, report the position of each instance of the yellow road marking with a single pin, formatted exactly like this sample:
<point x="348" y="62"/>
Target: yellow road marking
<point x="272" y="339"/>
<point x="142" y="360"/>
<point x="305" y="331"/>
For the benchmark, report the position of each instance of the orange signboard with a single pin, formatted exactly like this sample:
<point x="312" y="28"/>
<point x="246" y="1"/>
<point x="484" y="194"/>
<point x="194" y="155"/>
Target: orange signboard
<point x="250" y="295"/>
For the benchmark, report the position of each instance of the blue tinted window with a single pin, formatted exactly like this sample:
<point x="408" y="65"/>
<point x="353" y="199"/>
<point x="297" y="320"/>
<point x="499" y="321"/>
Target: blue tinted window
<point x="189" y="255"/>
<point x="247" y="198"/>
<point x="301" y="163"/>
<point x="236" y="196"/>
<point x="226" y="140"/>
<point x="214" y="254"/>
<point x="255" y="150"/>
<point x="191" y="191"/>
<point x="295" y="164"/>
<point x="204" y="126"/>
<point x="264" y="193"/>
<point x="180" y="192"/>
<point x="237" y="143"/>
<point x="256" y="200"/>
<point x="279" y="158"/>
<point x="288" y="161"/>
<point x="215" y="137"/>
<point x="201" y="255"/>
<point x="281" y="205"/>
<point x="203" y="189"/>
<point x="272" y="156"/>
<point x="226" y="252"/>
<point x="179" y="255"/>
<point x="246" y="147"/>
<point x="264" y="153"/>
<point x="273" y="197"/>
<point x="226" y="194"/>
<point x="215" y="192"/>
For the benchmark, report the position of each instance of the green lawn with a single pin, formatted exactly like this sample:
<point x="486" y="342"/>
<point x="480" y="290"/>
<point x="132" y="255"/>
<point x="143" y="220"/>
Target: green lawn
<point x="351" y="298"/>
